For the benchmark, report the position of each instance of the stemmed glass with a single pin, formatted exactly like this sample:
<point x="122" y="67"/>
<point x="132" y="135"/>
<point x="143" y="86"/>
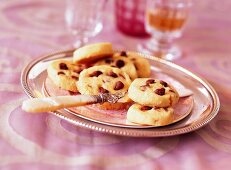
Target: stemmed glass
<point x="83" y="19"/>
<point x="164" y="20"/>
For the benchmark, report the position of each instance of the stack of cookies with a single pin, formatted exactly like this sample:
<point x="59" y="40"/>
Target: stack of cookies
<point x="96" y="69"/>
<point x="153" y="102"/>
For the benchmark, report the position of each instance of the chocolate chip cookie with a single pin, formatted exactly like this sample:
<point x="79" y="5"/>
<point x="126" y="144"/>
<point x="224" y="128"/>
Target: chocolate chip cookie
<point x="153" y="92"/>
<point x="142" y="65"/>
<point x="122" y="63"/>
<point x="92" y="52"/>
<point x="65" y="74"/>
<point x="104" y="79"/>
<point x="146" y="115"/>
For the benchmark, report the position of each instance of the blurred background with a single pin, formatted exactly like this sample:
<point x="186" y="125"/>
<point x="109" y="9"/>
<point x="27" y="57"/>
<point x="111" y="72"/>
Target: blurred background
<point x="31" y="28"/>
<point x="41" y="23"/>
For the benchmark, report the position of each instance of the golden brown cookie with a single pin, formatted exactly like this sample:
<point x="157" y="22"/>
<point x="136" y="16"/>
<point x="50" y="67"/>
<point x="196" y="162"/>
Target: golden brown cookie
<point x="146" y="115"/>
<point x="142" y="65"/>
<point x="153" y="92"/>
<point x="122" y="63"/>
<point x="65" y="74"/>
<point x="104" y="79"/>
<point x="92" y="52"/>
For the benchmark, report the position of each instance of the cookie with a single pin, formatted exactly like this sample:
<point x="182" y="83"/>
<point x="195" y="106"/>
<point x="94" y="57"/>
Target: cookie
<point x="153" y="92"/>
<point x="142" y="65"/>
<point x="65" y="74"/>
<point x="146" y="115"/>
<point x="104" y="79"/>
<point x="113" y="106"/>
<point x="122" y="63"/>
<point x="92" y="52"/>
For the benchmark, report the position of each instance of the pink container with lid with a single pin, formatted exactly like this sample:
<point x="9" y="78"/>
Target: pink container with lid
<point x="129" y="15"/>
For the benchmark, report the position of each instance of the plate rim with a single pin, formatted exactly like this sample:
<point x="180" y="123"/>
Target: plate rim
<point x="120" y="130"/>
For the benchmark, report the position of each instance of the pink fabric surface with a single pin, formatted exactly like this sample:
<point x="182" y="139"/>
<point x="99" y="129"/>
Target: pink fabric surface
<point x="29" y="29"/>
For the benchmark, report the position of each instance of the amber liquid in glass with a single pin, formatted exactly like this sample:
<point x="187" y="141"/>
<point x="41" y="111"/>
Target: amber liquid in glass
<point x="165" y="19"/>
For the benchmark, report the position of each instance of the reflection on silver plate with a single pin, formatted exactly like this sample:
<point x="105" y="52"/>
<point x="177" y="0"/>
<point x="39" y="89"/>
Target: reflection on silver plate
<point x="205" y="108"/>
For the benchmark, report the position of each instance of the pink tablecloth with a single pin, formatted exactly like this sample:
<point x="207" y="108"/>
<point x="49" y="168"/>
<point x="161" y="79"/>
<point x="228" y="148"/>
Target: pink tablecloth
<point x="29" y="29"/>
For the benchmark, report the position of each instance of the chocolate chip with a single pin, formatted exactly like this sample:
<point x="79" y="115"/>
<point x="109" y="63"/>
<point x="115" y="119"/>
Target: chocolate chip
<point x="120" y="63"/>
<point x="74" y="77"/>
<point x="144" y="108"/>
<point x="160" y="91"/>
<point x="119" y="85"/>
<point x="73" y="93"/>
<point x="61" y="73"/>
<point x="63" y="66"/>
<point x="143" y="87"/>
<point x="108" y="60"/>
<point x="103" y="90"/>
<point x="163" y="83"/>
<point x="123" y="53"/>
<point x="165" y="109"/>
<point x="112" y="74"/>
<point x="150" y="81"/>
<point x="95" y="74"/>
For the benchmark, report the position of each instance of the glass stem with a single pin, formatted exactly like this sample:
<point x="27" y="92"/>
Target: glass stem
<point x="162" y="45"/>
<point x="80" y="41"/>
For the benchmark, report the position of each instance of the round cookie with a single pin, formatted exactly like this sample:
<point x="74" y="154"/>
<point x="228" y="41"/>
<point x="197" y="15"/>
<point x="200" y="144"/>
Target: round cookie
<point x="65" y="74"/>
<point x="152" y="92"/>
<point x="122" y="63"/>
<point x="104" y="79"/>
<point x="146" y="115"/>
<point x="142" y="65"/>
<point x="92" y="52"/>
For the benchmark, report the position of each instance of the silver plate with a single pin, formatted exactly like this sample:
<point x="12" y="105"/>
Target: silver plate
<point x="206" y="101"/>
